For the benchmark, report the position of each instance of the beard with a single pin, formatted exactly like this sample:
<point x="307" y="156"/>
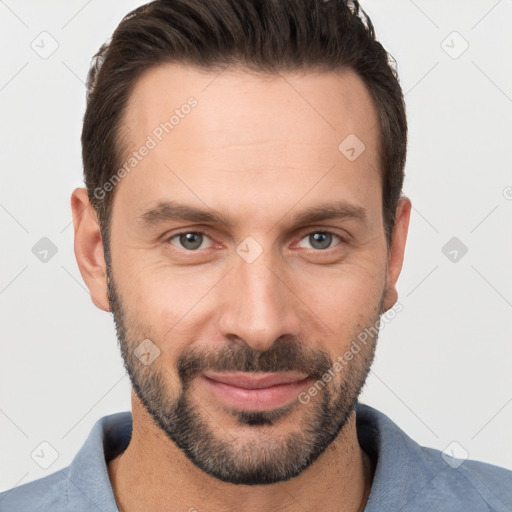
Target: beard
<point x="268" y="456"/>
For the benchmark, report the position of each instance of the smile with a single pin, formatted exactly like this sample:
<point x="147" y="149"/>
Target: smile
<point x="255" y="391"/>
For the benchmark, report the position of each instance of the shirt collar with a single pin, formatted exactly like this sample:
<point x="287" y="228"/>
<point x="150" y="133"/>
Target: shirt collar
<point x="402" y="470"/>
<point x="88" y="481"/>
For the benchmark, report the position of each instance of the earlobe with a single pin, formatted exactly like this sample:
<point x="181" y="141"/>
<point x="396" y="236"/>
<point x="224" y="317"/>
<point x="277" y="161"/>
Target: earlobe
<point x="88" y="247"/>
<point x="396" y="251"/>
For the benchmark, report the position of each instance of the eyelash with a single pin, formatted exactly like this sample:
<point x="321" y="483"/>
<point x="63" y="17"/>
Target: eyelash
<point x="303" y="235"/>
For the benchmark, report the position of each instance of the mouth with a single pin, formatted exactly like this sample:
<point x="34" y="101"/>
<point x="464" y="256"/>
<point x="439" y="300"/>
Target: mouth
<point x="255" y="391"/>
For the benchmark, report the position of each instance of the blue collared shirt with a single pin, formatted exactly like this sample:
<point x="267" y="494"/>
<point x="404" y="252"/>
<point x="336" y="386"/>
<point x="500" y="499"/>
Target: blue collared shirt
<point x="408" y="477"/>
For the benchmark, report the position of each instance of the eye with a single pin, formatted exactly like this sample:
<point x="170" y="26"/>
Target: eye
<point x="320" y="240"/>
<point x="189" y="240"/>
<point x="195" y="240"/>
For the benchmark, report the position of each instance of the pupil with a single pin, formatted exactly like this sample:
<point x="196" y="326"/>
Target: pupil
<point x="321" y="240"/>
<point x="191" y="240"/>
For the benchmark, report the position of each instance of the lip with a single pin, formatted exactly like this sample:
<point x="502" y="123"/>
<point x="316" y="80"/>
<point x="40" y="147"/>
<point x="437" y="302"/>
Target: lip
<point x="255" y="380"/>
<point x="255" y="391"/>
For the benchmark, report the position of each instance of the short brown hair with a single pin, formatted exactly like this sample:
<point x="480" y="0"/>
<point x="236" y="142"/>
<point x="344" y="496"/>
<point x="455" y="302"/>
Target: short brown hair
<point x="262" y="36"/>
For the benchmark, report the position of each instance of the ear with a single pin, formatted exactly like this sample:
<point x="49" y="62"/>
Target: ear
<point x="396" y="251"/>
<point x="89" y="248"/>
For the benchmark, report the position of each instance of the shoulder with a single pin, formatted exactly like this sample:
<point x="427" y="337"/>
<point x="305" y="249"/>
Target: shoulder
<point x="411" y="477"/>
<point x="46" y="494"/>
<point x="84" y="485"/>
<point x="469" y="480"/>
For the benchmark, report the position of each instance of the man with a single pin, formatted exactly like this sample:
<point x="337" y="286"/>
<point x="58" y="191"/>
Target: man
<point x="243" y="221"/>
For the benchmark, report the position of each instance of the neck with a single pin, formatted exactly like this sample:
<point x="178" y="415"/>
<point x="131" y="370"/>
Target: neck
<point x="154" y="474"/>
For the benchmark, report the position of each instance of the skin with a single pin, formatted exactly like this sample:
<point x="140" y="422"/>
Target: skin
<point x="259" y="150"/>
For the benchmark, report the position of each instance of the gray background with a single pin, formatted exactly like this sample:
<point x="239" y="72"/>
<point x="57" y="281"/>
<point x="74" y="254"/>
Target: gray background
<point x="442" y="370"/>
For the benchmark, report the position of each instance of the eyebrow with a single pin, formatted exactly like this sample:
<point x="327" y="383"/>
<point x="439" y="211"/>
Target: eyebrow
<point x="167" y="211"/>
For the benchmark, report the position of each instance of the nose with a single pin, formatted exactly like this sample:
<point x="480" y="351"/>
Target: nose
<point x="259" y="304"/>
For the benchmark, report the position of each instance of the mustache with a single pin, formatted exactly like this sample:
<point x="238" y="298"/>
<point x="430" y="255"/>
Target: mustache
<point x="285" y="354"/>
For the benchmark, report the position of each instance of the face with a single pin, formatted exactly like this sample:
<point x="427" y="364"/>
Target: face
<point x="248" y="251"/>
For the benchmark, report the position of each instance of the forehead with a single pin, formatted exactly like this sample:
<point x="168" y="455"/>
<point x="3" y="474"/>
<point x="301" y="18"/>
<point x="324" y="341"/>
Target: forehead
<point x="329" y="104"/>
<point x="275" y="133"/>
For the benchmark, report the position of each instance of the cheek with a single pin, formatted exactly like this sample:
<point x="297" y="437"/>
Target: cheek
<point x="346" y="298"/>
<point x="170" y="304"/>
